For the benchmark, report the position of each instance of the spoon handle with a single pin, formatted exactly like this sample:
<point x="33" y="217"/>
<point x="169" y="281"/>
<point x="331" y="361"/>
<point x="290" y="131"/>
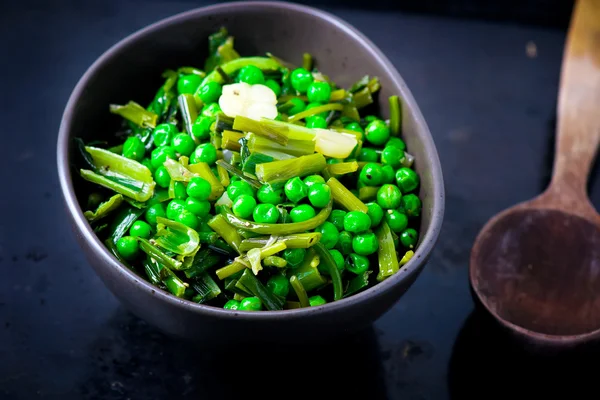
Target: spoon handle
<point x="578" y="107"/>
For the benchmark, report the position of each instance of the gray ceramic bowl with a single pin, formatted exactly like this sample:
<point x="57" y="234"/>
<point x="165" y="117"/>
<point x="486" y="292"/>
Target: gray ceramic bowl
<point x="131" y="70"/>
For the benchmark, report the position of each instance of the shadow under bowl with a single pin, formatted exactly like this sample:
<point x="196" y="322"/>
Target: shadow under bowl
<point x="132" y="69"/>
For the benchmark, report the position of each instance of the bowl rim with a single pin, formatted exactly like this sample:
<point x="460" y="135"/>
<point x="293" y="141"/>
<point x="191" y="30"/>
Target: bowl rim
<point x="414" y="266"/>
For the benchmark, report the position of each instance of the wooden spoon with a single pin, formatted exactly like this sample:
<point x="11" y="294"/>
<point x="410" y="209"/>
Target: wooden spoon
<point x="536" y="266"/>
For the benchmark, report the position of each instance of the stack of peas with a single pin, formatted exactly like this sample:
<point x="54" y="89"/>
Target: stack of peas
<point x="348" y="236"/>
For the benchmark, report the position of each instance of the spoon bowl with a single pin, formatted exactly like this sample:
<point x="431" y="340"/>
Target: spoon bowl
<point x="536" y="266"/>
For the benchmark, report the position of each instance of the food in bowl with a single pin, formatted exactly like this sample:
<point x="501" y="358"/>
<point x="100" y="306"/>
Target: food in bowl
<point x="254" y="184"/>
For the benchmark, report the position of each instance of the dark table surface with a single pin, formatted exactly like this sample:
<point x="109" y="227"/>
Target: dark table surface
<point x="491" y="111"/>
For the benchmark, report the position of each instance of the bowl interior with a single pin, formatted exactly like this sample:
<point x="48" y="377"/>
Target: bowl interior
<point x="132" y="71"/>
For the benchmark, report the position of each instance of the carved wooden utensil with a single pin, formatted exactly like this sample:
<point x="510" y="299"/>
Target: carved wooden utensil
<point x="536" y="266"/>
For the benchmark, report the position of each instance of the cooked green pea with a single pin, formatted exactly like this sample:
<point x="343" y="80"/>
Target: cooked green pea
<point x="133" y="148"/>
<point x="154" y="211"/>
<point x="375" y="212"/>
<point x="337" y="218"/>
<point x="128" y="247"/>
<point x="407" y="179"/>
<point x="180" y="190"/>
<point x="389" y="196"/>
<point x="239" y="188"/>
<point x="318" y="92"/>
<point x="183" y="144"/>
<point x="210" y="92"/>
<point x="140" y="229"/>
<point x="365" y="244"/>
<point x="250" y="304"/>
<point x="409" y="237"/>
<point x="316" y="121"/>
<point x="265" y="213"/>
<point x="377" y="132"/>
<point x="162" y="177"/>
<point x="188" y="219"/>
<point x="201" y="127"/>
<point x="267" y="194"/>
<point x="357" y="222"/>
<point x="344" y="244"/>
<point x="301" y="213"/>
<point x="199" y="188"/>
<point x="148" y="164"/>
<point x="392" y="156"/>
<point x="298" y="105"/>
<point x="371" y="174"/>
<point x="204" y="153"/>
<point x="329" y="234"/>
<point x="396" y="142"/>
<point x="243" y="206"/>
<point x="388" y="174"/>
<point x="278" y="285"/>
<point x="319" y="195"/>
<point x="274" y="86"/>
<point x="411" y="205"/>
<point x="160" y="154"/>
<point x="163" y="134"/>
<point x="294" y="257"/>
<point x="174" y="207"/>
<point x="338" y="258"/>
<point x="197" y="207"/>
<point x="301" y="79"/>
<point x="357" y="264"/>
<point x="232" y="305"/>
<point x="316" y="301"/>
<point x="368" y="154"/>
<point x="312" y="179"/>
<point x="211" y="110"/>
<point x="354" y="126"/>
<point x="188" y="83"/>
<point x="396" y="220"/>
<point x="251" y="74"/>
<point x="295" y="189"/>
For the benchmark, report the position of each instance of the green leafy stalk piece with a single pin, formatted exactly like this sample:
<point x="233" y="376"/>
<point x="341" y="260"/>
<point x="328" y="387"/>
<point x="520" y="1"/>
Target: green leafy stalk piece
<point x="230" y="67"/>
<point x="395" y="115"/>
<point x="204" y="260"/>
<point x="104" y="209"/>
<point x="136" y="114"/>
<point x="274" y="261"/>
<point x="240" y="174"/>
<point x="316" y="110"/>
<point x="203" y="170"/>
<point x="270" y="301"/>
<point x="328" y="262"/>
<point x="293" y="148"/>
<point x="357" y="284"/>
<point x="177" y="171"/>
<point x="176" y="237"/>
<point x="335" y="170"/>
<point x="300" y="291"/>
<point x="159" y="255"/>
<point x="191" y="71"/>
<point x="344" y="197"/>
<point x="307" y="61"/>
<point x="283" y="170"/>
<point x="156" y="270"/>
<point x="161" y="103"/>
<point x="206" y="287"/>
<point x="271" y="128"/>
<point x="230" y="235"/>
<point x="123" y="221"/>
<point x="386" y="254"/>
<point x="362" y="98"/>
<point x="187" y="106"/>
<point x="220" y="46"/>
<point x="277" y="229"/>
<point x="118" y="173"/>
<point x="294" y="241"/>
<point x="245" y="124"/>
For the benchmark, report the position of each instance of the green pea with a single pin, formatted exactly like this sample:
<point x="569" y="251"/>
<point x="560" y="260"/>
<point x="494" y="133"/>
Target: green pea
<point x="334" y="161"/>
<point x="183" y="144"/>
<point x="409" y="237"/>
<point x="357" y="222"/>
<point x="357" y="264"/>
<point x="337" y="218"/>
<point x="160" y="154"/>
<point x="210" y="92"/>
<point x="329" y="234"/>
<point x="368" y="154"/>
<point x="344" y="244"/>
<point x="274" y="86"/>
<point x="243" y="206"/>
<point x="239" y="188"/>
<point x="396" y="220"/>
<point x="316" y="121"/>
<point x="388" y="174"/>
<point x="175" y="207"/>
<point x="375" y="212"/>
<point x="251" y="74"/>
<point x="201" y="127"/>
<point x="301" y="79"/>
<point x="188" y="219"/>
<point x="133" y="148"/>
<point x="295" y="189"/>
<point x="407" y="179"/>
<point x="278" y="285"/>
<point x="301" y="213"/>
<point x="354" y="126"/>
<point x="377" y="132"/>
<point x="204" y="153"/>
<point x="163" y="134"/>
<point x="199" y="188"/>
<point x="319" y="92"/>
<point x="210" y="110"/>
<point x="392" y="156"/>
<point x="312" y="179"/>
<point x="197" y="207"/>
<point x="370" y="118"/>
<point x="365" y="244"/>
<point x="371" y="174"/>
<point x="128" y="247"/>
<point x="294" y="257"/>
<point x="140" y="229"/>
<point x="250" y="304"/>
<point x="388" y="196"/>
<point x="180" y="190"/>
<point x="148" y="164"/>
<point x="316" y="301"/>
<point x="154" y="211"/>
<point x="298" y="105"/>
<point x="411" y="205"/>
<point x="396" y="142"/>
<point x="319" y="195"/>
<point x="267" y="194"/>
<point x="232" y="305"/>
<point x="338" y="258"/>
<point x="265" y="213"/>
<point x="188" y="83"/>
<point x="162" y="177"/>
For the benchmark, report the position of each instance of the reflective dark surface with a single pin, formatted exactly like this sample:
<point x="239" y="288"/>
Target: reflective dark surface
<point x="491" y="109"/>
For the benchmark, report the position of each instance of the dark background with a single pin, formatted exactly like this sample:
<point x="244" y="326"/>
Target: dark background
<point x="490" y="107"/>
